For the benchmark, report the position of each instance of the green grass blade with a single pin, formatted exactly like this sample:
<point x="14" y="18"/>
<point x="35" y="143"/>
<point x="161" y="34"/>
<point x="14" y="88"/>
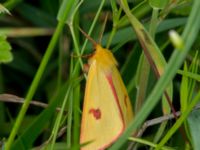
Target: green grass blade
<point x="5" y="50"/>
<point x="184" y="91"/>
<point x="37" y="78"/>
<point x="27" y="138"/>
<point x="189" y="74"/>
<point x="152" y="52"/>
<point x="58" y="119"/>
<point x="179" y="121"/>
<point x="148" y="143"/>
<point x="189" y="35"/>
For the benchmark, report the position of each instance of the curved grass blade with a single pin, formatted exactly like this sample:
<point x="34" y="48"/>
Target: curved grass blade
<point x="189" y="35"/>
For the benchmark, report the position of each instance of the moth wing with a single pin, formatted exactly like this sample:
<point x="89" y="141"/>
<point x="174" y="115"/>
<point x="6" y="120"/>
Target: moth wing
<point x="102" y="121"/>
<point x="123" y="97"/>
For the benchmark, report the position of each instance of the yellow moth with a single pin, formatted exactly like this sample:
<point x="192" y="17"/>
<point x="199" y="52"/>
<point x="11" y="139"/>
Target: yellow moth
<point x="107" y="109"/>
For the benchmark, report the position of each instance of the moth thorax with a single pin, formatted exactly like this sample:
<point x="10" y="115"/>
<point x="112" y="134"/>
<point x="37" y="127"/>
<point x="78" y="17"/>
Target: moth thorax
<point x="104" y="57"/>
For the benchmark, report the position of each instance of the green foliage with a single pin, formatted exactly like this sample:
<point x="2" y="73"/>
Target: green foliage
<point x="158" y="4"/>
<point x="5" y="50"/>
<point x="188" y="91"/>
<point x="3" y="9"/>
<point x="49" y="56"/>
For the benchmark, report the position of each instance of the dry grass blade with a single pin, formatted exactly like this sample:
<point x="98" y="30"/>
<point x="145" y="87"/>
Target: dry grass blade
<point x="16" y="99"/>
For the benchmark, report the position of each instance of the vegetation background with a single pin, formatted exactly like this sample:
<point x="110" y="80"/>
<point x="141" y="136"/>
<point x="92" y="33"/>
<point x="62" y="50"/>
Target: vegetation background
<point x="42" y="81"/>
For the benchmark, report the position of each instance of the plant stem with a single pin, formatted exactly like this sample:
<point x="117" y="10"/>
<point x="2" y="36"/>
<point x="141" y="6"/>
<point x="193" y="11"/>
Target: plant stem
<point x="189" y="35"/>
<point x="179" y="121"/>
<point x="37" y="77"/>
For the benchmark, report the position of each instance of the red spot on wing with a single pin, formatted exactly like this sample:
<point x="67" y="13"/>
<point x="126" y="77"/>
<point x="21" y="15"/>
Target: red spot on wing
<point x="96" y="113"/>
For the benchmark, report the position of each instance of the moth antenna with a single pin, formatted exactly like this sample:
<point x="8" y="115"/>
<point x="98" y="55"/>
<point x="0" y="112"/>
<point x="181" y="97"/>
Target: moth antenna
<point x="88" y="37"/>
<point x="103" y="28"/>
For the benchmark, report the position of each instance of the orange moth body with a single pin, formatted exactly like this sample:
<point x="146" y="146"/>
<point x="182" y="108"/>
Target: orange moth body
<point x="107" y="109"/>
